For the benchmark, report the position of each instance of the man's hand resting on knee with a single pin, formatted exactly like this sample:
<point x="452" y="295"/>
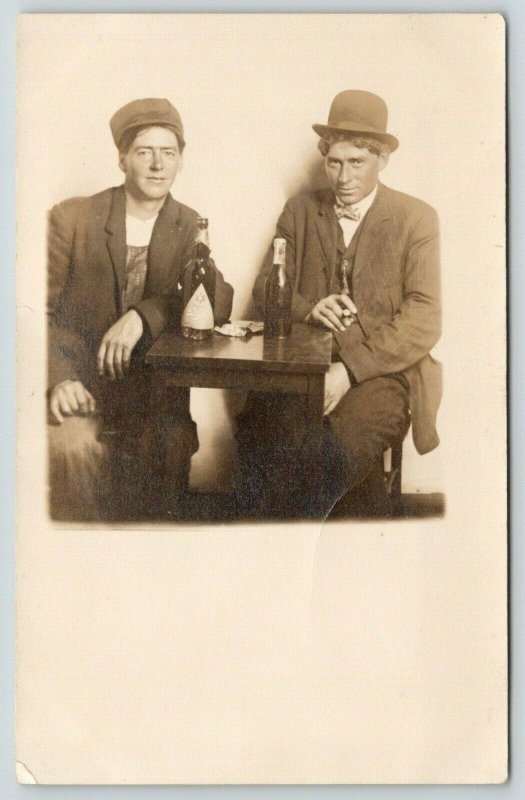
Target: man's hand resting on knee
<point x="69" y="398"/>
<point x="337" y="383"/>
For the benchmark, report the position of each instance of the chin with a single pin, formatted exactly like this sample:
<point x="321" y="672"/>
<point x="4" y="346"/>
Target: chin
<point x="350" y="197"/>
<point x="155" y="194"/>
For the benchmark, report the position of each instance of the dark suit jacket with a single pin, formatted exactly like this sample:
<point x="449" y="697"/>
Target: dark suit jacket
<point x="395" y="286"/>
<point x="87" y="258"/>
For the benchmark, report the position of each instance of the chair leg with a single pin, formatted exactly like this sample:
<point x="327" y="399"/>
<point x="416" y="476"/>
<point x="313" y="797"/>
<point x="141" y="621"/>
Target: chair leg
<point x="393" y="477"/>
<point x="396" y="469"/>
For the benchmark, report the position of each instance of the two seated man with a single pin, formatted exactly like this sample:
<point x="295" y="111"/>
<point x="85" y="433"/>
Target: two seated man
<point x="116" y="266"/>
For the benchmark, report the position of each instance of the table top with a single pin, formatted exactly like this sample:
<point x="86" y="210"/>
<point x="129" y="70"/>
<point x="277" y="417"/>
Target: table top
<point x="307" y="350"/>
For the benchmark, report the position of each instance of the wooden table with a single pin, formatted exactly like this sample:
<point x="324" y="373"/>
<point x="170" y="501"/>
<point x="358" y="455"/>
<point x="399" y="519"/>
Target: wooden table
<point x="297" y="364"/>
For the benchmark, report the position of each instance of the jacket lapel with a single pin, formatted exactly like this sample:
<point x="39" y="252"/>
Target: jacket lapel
<point x="373" y="237"/>
<point x="116" y="239"/>
<point x="161" y="249"/>
<point x="326" y="223"/>
<point x="164" y="239"/>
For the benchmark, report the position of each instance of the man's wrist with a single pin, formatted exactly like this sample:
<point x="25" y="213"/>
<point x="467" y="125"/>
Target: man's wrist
<point x="145" y="326"/>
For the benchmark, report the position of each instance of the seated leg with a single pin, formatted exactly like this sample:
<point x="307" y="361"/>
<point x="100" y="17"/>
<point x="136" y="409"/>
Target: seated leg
<point x="151" y="437"/>
<point x="171" y="440"/>
<point x="79" y="473"/>
<point x="269" y="434"/>
<point x="276" y="451"/>
<point x="371" y="417"/>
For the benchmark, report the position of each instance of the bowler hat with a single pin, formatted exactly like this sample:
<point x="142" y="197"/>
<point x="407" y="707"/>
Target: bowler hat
<point x="359" y="112"/>
<point x="149" y="111"/>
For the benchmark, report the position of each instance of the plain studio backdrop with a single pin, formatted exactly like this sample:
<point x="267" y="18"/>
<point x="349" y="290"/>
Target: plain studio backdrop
<point x="401" y="624"/>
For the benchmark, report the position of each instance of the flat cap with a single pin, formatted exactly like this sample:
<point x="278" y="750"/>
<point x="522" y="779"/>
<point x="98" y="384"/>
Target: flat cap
<point x="149" y="111"/>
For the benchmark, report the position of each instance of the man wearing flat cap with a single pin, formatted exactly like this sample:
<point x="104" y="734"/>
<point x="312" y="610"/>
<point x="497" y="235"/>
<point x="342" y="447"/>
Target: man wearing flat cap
<point x="364" y="264"/>
<point x="116" y="263"/>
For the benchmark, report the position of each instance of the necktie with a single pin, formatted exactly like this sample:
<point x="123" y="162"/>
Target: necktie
<point x="346" y="211"/>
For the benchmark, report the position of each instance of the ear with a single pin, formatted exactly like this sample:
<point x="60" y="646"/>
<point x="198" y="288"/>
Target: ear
<point x="383" y="159"/>
<point x="122" y="162"/>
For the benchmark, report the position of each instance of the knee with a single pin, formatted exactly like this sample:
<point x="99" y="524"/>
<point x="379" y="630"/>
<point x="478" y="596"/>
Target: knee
<point x="75" y="441"/>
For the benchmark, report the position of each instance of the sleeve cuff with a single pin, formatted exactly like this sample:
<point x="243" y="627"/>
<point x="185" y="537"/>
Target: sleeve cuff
<point x="300" y="307"/>
<point x="356" y="357"/>
<point x="145" y="323"/>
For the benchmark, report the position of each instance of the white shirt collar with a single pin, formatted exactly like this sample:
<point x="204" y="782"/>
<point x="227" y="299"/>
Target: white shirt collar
<point x="349" y="226"/>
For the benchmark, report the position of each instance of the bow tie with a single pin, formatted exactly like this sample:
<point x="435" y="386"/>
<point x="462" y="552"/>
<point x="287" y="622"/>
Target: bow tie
<point x="347" y="211"/>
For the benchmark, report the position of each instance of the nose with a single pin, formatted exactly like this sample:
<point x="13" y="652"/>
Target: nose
<point x="345" y="173"/>
<point x="156" y="160"/>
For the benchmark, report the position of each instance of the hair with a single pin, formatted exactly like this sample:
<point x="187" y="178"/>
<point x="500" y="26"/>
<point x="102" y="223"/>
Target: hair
<point x="332" y="137"/>
<point x="129" y="136"/>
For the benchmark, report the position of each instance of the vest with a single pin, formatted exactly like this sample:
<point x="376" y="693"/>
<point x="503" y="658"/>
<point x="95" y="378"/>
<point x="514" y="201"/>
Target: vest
<point x="344" y="262"/>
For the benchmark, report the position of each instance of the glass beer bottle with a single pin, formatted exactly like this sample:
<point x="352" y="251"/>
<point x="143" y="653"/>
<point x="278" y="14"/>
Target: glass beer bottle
<point x="278" y="296"/>
<point x="197" y="320"/>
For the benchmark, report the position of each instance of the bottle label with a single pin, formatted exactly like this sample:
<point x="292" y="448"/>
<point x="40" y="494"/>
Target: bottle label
<point x="202" y="237"/>
<point x="198" y="313"/>
<point x="279" y="251"/>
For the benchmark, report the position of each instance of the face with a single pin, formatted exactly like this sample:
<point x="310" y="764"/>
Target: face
<point x="353" y="171"/>
<point x="151" y="164"/>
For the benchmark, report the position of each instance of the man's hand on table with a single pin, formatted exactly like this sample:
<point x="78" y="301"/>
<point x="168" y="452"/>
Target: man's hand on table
<point x="70" y="398"/>
<point x="335" y="312"/>
<point x="337" y="383"/>
<point x="114" y="354"/>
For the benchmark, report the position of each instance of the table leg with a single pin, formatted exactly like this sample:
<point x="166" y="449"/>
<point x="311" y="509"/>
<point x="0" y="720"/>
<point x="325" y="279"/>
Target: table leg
<point x="170" y="463"/>
<point x="315" y="401"/>
<point x="314" y="420"/>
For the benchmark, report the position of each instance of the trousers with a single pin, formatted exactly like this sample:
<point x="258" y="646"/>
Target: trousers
<point x="277" y="450"/>
<point x="111" y="467"/>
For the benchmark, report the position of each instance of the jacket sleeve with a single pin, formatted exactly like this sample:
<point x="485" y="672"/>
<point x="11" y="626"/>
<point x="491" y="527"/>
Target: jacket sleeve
<point x="222" y="308"/>
<point x="370" y="349"/>
<point x="68" y="354"/>
<point x="286" y="229"/>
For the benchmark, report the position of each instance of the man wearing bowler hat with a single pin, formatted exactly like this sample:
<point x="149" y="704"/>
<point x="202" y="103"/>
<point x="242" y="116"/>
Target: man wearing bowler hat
<point x="116" y="263"/>
<point x="364" y="264"/>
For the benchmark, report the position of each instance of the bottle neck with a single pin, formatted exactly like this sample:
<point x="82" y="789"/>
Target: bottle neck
<point x="201" y="244"/>
<point x="201" y="251"/>
<point x="279" y="251"/>
<point x="281" y="272"/>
